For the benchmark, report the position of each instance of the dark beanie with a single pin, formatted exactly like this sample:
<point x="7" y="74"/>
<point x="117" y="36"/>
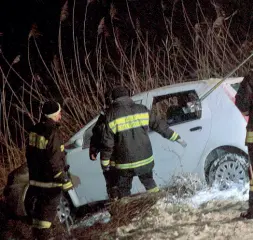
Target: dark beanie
<point x="119" y="91"/>
<point x="51" y="108"/>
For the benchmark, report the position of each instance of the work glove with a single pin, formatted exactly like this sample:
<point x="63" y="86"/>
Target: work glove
<point x="93" y="153"/>
<point x="182" y="143"/>
<point x="64" y="179"/>
<point x="106" y="168"/>
<point x="66" y="168"/>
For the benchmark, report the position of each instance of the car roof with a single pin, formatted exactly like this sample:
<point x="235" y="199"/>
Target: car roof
<point x="208" y="83"/>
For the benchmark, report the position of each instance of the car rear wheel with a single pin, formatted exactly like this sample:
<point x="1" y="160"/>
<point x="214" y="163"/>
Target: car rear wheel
<point x="227" y="170"/>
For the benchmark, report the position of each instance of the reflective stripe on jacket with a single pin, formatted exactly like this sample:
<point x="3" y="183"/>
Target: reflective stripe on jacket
<point x="125" y="141"/>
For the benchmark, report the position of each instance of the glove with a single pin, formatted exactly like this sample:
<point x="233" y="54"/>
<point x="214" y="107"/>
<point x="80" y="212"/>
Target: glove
<point x="66" y="168"/>
<point x="182" y="143"/>
<point x="93" y="153"/>
<point x="106" y="168"/>
<point x="65" y="181"/>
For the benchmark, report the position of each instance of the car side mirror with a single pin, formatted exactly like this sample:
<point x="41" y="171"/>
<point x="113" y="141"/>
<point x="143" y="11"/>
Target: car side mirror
<point x="78" y="142"/>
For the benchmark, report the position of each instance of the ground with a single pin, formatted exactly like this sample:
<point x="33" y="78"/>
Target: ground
<point x="192" y="213"/>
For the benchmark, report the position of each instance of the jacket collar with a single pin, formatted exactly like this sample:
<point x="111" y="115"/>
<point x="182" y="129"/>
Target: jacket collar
<point x="49" y="121"/>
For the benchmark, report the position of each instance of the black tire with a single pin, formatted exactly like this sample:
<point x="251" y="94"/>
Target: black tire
<point x="228" y="169"/>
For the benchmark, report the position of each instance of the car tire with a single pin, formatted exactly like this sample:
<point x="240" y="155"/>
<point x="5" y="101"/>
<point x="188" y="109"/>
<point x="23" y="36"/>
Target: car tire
<point x="228" y="169"/>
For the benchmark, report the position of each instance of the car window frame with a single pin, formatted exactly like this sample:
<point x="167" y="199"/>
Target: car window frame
<point x="163" y="97"/>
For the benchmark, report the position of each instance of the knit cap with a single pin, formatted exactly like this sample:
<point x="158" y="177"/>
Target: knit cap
<point x="51" y="109"/>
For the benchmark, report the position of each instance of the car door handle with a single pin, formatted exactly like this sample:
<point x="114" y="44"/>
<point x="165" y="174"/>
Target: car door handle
<point x="195" y="128"/>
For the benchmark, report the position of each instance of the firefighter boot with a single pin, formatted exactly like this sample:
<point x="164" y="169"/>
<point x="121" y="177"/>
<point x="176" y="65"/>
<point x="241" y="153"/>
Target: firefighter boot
<point x="41" y="234"/>
<point x="249" y="213"/>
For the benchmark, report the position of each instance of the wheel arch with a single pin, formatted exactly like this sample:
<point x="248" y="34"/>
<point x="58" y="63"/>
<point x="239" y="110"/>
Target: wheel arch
<point x="218" y="152"/>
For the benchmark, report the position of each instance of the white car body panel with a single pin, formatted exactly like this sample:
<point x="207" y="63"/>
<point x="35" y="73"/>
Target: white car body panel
<point x="221" y="125"/>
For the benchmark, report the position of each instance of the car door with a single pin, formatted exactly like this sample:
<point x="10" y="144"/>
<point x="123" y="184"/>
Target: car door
<point x="91" y="185"/>
<point x="193" y="124"/>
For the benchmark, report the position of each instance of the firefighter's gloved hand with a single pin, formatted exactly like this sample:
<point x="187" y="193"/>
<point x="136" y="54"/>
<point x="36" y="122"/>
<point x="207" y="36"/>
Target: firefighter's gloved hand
<point x="66" y="168"/>
<point x="106" y="168"/>
<point x="182" y="143"/>
<point x="93" y="153"/>
<point x="67" y="185"/>
<point x="65" y="181"/>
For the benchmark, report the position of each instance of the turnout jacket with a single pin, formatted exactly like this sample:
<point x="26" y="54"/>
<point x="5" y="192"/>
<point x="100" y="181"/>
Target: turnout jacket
<point x="244" y="102"/>
<point x="45" y="156"/>
<point x="95" y="141"/>
<point x="125" y="142"/>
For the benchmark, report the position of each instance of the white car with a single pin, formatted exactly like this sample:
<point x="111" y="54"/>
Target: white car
<point x="214" y="130"/>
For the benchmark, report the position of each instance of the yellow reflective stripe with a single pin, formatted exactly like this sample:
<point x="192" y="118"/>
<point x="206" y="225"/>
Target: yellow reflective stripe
<point x="37" y="141"/>
<point x="62" y="148"/>
<point x="155" y="189"/>
<point x="41" y="224"/>
<point x="131" y="125"/>
<point x="173" y="137"/>
<point x="112" y="163"/>
<point x="44" y="185"/>
<point x="128" y="122"/>
<point x="58" y="175"/>
<point x="105" y="162"/>
<point x="135" y="164"/>
<point x="249" y="137"/>
<point x="67" y="185"/>
<point x="23" y="198"/>
<point x="32" y="139"/>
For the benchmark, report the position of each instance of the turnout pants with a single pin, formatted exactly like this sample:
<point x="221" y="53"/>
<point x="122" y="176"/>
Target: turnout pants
<point x="111" y="179"/>
<point x="125" y="179"/>
<point x="250" y="151"/>
<point x="41" y="206"/>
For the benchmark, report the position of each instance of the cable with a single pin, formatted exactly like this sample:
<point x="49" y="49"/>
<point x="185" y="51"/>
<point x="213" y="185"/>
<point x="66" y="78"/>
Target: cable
<point x="227" y="76"/>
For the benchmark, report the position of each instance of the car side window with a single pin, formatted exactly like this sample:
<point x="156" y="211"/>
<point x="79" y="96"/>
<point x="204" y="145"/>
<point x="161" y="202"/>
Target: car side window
<point x="178" y="107"/>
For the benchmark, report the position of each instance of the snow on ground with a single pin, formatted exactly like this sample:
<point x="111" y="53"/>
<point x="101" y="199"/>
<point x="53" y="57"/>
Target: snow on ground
<point x="207" y="214"/>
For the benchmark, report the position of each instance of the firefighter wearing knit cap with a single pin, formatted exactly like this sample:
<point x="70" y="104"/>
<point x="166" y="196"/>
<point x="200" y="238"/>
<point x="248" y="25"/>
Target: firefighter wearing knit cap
<point x="47" y="170"/>
<point x="125" y="142"/>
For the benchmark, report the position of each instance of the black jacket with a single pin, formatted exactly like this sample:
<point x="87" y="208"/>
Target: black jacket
<point x="244" y="98"/>
<point x="125" y="141"/>
<point x="95" y="141"/>
<point x="45" y="153"/>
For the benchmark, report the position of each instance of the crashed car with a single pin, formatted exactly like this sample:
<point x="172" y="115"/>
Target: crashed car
<point x="213" y="128"/>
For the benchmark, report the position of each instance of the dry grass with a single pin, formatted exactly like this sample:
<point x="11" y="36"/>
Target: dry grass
<point x="144" y="67"/>
<point x="123" y="212"/>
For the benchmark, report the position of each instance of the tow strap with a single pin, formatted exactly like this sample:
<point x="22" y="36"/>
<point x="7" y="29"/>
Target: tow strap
<point x="227" y="76"/>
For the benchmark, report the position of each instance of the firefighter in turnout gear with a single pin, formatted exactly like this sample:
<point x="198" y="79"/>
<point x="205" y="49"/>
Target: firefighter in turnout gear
<point x="126" y="144"/>
<point x="95" y="146"/>
<point x="244" y="102"/>
<point x="47" y="170"/>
